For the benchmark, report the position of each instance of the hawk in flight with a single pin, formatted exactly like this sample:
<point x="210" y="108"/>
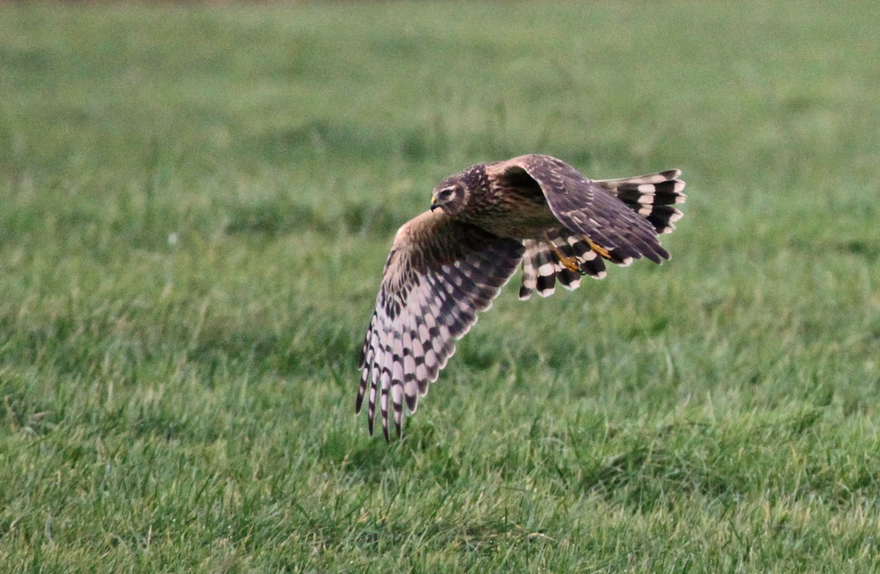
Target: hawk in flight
<point x="450" y="262"/>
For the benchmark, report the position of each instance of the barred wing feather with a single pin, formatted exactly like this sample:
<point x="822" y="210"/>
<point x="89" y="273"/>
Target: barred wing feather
<point x="439" y="274"/>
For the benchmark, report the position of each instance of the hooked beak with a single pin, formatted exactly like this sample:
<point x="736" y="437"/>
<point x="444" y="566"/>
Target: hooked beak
<point x="434" y="203"/>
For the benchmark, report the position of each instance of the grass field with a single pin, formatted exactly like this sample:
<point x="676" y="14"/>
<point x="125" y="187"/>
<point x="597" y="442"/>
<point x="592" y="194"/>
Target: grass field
<point x="195" y="206"/>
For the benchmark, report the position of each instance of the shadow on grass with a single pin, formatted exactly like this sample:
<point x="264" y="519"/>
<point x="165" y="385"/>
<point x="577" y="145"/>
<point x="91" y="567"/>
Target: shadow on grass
<point x="371" y="460"/>
<point x="644" y="475"/>
<point x="652" y="472"/>
<point x="869" y="250"/>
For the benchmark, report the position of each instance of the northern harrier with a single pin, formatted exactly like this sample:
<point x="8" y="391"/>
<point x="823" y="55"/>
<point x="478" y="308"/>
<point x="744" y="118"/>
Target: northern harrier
<point x="449" y="263"/>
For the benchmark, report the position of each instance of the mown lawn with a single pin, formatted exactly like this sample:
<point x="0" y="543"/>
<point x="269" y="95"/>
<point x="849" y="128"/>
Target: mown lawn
<point x="195" y="206"/>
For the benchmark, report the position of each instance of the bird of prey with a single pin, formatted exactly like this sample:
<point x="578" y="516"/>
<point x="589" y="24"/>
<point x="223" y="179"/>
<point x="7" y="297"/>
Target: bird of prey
<point x="450" y="262"/>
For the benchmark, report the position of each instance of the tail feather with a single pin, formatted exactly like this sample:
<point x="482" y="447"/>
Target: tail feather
<point x="542" y="269"/>
<point x="651" y="196"/>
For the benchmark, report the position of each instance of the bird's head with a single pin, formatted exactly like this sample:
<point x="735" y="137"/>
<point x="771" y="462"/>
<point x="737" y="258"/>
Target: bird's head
<point x="450" y="195"/>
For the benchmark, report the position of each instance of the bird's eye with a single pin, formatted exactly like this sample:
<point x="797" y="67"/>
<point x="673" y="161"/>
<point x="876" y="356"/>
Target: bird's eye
<point x="446" y="193"/>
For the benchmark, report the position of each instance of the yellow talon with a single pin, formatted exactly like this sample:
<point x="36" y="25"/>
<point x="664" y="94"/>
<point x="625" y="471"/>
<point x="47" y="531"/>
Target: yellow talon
<point x="598" y="248"/>
<point x="569" y="263"/>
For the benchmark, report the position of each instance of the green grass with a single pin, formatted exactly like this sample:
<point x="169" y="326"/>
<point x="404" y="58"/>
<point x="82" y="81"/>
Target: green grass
<point x="195" y="207"/>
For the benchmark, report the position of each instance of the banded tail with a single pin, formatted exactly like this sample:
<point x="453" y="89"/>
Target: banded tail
<point x="651" y="196"/>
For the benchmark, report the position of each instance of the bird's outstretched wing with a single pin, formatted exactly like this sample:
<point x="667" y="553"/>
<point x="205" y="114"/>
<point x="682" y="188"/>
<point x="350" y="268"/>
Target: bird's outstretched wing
<point x="585" y="207"/>
<point x="439" y="274"/>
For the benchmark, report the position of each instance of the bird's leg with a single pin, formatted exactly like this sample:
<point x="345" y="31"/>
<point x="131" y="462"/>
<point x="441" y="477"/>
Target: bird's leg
<point x="569" y="263"/>
<point x="597" y="248"/>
